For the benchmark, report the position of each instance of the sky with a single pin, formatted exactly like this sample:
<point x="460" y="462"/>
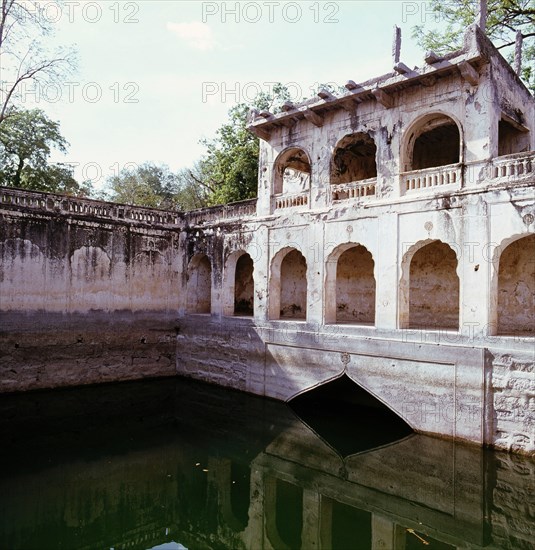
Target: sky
<point x="155" y="77"/>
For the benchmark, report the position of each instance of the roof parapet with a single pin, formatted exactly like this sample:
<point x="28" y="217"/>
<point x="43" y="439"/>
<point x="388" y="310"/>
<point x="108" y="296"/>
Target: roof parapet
<point x="476" y="50"/>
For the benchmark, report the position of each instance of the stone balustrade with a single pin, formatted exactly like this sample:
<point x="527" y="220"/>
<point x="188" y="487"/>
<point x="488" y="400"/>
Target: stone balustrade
<point x="354" y="189"/>
<point x="517" y="166"/>
<point x="49" y="202"/>
<point x="431" y="177"/>
<point x="290" y="201"/>
<point x="61" y="204"/>
<point x="233" y="210"/>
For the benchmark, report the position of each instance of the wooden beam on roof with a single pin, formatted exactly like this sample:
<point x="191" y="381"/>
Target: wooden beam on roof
<point x="260" y="132"/>
<point x="287" y="122"/>
<point x="288" y="106"/>
<point x="468" y="73"/>
<point x="431" y="57"/>
<point x="401" y="68"/>
<point x="383" y="98"/>
<point x="313" y="117"/>
<point x="326" y="95"/>
<point x="352" y="85"/>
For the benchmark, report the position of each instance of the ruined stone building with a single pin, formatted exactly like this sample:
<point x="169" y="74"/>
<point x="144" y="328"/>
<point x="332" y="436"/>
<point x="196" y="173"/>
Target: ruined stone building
<point x="392" y="242"/>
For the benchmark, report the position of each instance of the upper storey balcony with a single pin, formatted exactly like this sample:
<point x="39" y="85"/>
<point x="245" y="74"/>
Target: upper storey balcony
<point x="464" y="120"/>
<point x="292" y="174"/>
<point x="354" y="168"/>
<point x="430" y="162"/>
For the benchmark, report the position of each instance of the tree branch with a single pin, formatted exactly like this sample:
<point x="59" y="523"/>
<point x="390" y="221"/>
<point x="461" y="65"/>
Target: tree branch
<point x="514" y="41"/>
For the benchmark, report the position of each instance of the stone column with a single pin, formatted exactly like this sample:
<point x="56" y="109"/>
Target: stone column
<point x="314" y="253"/>
<point x="386" y="535"/>
<point x="260" y="254"/>
<point x="265" y="179"/>
<point x="310" y="536"/>
<point x="475" y="270"/>
<point x="386" y="272"/>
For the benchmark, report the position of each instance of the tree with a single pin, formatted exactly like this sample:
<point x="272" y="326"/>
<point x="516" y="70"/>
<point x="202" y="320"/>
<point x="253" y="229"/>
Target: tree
<point x="23" y="56"/>
<point x="147" y="184"/>
<point x="505" y="18"/>
<point x="229" y="170"/>
<point x="155" y="186"/>
<point x="27" y="138"/>
<point x="190" y="194"/>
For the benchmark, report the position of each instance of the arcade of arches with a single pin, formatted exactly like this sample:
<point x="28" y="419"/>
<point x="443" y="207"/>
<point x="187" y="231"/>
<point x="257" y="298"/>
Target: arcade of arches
<point x="433" y="141"/>
<point x="429" y="286"/>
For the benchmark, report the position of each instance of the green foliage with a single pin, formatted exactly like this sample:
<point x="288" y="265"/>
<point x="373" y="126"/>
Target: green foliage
<point x="148" y="184"/>
<point x="27" y="138"/>
<point x="228" y="171"/>
<point x="505" y="17"/>
<point x="155" y="186"/>
<point x="55" y="178"/>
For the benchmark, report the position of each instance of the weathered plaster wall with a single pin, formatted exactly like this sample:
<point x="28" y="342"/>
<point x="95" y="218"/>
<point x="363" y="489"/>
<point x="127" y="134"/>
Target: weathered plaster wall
<point x="516" y="287"/>
<point x="84" y="301"/>
<point x="244" y="286"/>
<point x="199" y="285"/>
<point x="355" y="286"/>
<point x="49" y="350"/>
<point x="65" y="265"/>
<point x="293" y="286"/>
<point x="434" y="288"/>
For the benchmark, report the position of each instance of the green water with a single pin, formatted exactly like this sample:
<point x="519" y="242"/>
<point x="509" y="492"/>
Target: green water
<point x="173" y="464"/>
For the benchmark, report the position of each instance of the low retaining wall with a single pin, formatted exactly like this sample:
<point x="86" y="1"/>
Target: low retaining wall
<point x="463" y="391"/>
<point x="41" y="350"/>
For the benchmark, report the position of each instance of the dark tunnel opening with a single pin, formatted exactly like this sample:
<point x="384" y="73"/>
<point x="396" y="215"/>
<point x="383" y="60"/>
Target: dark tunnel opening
<point x="348" y="418"/>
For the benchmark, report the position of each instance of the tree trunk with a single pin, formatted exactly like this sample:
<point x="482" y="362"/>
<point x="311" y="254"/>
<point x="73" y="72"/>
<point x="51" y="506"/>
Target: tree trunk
<point x="18" y="173"/>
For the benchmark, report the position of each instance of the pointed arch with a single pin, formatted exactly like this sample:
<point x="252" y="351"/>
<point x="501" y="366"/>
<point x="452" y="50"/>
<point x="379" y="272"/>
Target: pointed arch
<point x="238" y="284"/>
<point x="292" y="171"/>
<point x="350" y="285"/>
<point x="512" y="301"/>
<point x="430" y="287"/>
<point x="432" y="140"/>
<point x="354" y="159"/>
<point x="288" y="285"/>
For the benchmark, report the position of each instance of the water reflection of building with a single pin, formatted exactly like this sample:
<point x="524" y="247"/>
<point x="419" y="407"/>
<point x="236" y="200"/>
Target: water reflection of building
<point x="208" y="470"/>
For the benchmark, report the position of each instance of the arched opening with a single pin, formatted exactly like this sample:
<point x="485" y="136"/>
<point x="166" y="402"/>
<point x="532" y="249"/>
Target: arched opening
<point x="434" y="141"/>
<point x="345" y="526"/>
<point x="349" y="418"/>
<point x="283" y="512"/>
<point x="289" y="513"/>
<point x="244" y="286"/>
<point x="292" y="172"/>
<point x="354" y="159"/>
<point x="288" y="285"/>
<point x="355" y="287"/>
<point x="512" y="137"/>
<point x="433" y="288"/>
<point x="516" y="288"/>
<point x="293" y="304"/>
<point x="199" y="286"/>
